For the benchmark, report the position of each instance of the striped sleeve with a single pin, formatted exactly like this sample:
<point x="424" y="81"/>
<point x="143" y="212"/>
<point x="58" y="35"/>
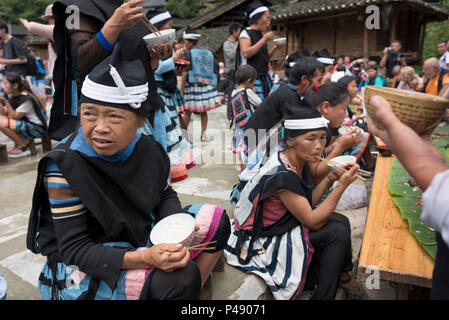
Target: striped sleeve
<point x="64" y="202"/>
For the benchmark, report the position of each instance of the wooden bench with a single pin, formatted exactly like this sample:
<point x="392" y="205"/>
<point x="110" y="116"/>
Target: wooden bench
<point x="46" y="145"/>
<point x="387" y="243"/>
<point x="3" y="153"/>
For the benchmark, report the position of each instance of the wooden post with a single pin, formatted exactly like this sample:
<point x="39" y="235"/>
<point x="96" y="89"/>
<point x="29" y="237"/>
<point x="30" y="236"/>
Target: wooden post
<point x="365" y="42"/>
<point x="3" y="153"/>
<point x="335" y="37"/>
<point x="423" y="37"/>
<point x="393" y="30"/>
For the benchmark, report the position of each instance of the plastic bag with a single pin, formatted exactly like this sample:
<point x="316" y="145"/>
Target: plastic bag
<point x="354" y="197"/>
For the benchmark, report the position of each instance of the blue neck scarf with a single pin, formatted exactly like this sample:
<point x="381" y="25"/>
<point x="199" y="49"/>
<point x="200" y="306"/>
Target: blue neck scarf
<point x="80" y="144"/>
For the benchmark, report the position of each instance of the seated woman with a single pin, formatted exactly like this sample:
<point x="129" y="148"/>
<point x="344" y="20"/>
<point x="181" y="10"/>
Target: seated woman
<point x="21" y="117"/>
<point x="331" y="100"/>
<point x="279" y="235"/>
<point x="100" y="192"/>
<point x="357" y="118"/>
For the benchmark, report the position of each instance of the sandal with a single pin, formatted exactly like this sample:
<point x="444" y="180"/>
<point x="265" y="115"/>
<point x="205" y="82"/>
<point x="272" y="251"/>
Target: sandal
<point x="204" y="139"/>
<point x="24" y="151"/>
<point x="354" y="294"/>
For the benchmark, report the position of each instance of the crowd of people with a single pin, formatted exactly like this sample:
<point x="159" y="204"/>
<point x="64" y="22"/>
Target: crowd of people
<point x="120" y="112"/>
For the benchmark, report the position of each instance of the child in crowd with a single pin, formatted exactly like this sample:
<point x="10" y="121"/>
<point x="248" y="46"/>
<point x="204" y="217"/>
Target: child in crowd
<point x="396" y="76"/>
<point x="374" y="78"/>
<point x="244" y="102"/>
<point x="408" y="79"/>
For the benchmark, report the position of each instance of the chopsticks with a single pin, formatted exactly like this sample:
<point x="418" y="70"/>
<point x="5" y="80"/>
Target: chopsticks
<point x="149" y="25"/>
<point x="197" y="247"/>
<point x="341" y="167"/>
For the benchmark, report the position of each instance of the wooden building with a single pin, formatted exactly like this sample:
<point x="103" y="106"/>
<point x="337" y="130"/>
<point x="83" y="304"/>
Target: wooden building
<point x="340" y="26"/>
<point x="214" y="24"/>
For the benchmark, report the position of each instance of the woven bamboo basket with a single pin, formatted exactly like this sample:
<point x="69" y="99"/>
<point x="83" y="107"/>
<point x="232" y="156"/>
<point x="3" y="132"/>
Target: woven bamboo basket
<point x="419" y="111"/>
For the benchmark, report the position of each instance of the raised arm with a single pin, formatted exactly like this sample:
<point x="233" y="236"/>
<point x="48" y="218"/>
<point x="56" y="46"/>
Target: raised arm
<point x="249" y="50"/>
<point x="45" y="30"/>
<point x="314" y="219"/>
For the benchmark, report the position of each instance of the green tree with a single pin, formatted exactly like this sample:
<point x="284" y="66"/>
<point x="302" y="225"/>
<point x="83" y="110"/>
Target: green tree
<point x="28" y="9"/>
<point x="435" y="32"/>
<point x="185" y="9"/>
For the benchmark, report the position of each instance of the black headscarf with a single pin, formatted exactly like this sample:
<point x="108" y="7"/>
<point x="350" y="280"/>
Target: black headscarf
<point x="62" y="121"/>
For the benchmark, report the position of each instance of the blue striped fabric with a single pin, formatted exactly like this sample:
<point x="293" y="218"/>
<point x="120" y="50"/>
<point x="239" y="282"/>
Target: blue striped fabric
<point x="201" y="98"/>
<point x="29" y="130"/>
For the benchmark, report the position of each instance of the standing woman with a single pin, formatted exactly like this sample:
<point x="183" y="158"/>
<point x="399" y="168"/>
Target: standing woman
<point x="84" y="40"/>
<point x="253" y="46"/>
<point x="178" y="149"/>
<point x="199" y="84"/>
<point x="21" y="116"/>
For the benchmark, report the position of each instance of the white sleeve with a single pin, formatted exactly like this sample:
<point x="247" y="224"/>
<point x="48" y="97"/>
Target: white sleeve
<point x="253" y="98"/>
<point x="436" y="205"/>
<point x="244" y="34"/>
<point x="447" y="59"/>
<point x="26" y="107"/>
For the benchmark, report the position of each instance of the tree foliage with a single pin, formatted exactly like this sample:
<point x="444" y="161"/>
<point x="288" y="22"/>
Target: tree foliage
<point x="28" y="9"/>
<point x="185" y="9"/>
<point x="435" y="32"/>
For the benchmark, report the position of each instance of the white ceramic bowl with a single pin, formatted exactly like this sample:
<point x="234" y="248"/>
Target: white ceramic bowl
<point x="167" y="36"/>
<point x="342" y="130"/>
<point x="176" y="228"/>
<point x="341" y="160"/>
<point x="280" y="40"/>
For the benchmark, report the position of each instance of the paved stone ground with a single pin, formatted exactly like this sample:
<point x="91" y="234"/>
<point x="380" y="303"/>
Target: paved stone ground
<point x="209" y="181"/>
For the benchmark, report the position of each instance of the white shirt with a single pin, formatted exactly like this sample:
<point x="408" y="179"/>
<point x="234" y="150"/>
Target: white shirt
<point x="28" y="109"/>
<point x="244" y="34"/>
<point x="436" y="205"/>
<point x="444" y="60"/>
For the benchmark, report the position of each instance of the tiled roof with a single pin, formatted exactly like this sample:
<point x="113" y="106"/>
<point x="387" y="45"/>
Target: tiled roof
<point x="216" y="12"/>
<point x="211" y="38"/>
<point x="301" y="8"/>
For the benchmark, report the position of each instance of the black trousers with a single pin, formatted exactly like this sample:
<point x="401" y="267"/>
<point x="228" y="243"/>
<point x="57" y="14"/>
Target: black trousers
<point x="181" y="284"/>
<point x="333" y="256"/>
<point x="440" y="279"/>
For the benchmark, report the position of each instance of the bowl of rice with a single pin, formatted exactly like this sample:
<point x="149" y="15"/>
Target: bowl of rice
<point x="176" y="228"/>
<point x="280" y="41"/>
<point x="166" y="37"/>
<point x="341" y="161"/>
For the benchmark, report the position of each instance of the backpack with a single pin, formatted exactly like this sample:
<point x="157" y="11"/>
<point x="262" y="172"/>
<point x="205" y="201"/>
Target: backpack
<point x="40" y="69"/>
<point x="31" y="68"/>
<point x="203" y="67"/>
<point x="240" y="109"/>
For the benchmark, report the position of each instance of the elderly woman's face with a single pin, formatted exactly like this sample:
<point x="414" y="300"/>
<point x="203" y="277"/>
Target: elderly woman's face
<point x="309" y="146"/>
<point x="108" y="130"/>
